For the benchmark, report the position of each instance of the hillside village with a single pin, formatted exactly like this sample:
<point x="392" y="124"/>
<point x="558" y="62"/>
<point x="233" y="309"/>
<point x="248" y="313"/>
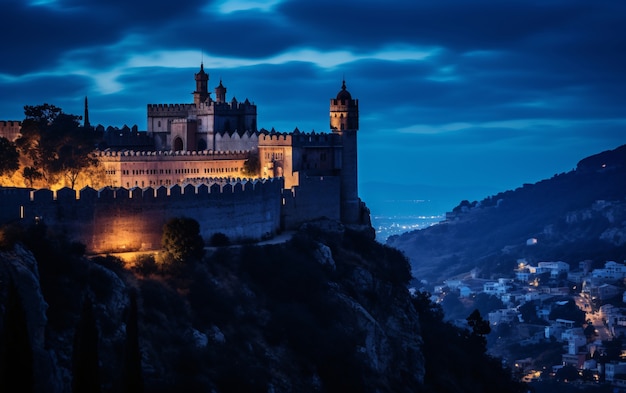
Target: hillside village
<point x="544" y="288"/>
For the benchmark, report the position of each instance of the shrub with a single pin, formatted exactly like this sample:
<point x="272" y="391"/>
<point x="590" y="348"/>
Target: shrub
<point x="219" y="240"/>
<point x="181" y="240"/>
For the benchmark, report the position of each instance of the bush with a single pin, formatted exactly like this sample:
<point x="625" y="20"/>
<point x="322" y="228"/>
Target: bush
<point x="219" y="240"/>
<point x="181" y="240"/>
<point x="145" y="264"/>
<point x="9" y="235"/>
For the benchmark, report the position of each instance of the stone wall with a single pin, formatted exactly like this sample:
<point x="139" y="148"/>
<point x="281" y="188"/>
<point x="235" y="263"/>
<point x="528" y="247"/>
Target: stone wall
<point x="117" y="219"/>
<point x="315" y="197"/>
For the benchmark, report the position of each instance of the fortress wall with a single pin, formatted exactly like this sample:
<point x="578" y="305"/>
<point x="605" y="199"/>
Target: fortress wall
<point x="234" y="142"/>
<point x="10" y="129"/>
<point x="113" y="220"/>
<point x="316" y="196"/>
<point x="13" y="201"/>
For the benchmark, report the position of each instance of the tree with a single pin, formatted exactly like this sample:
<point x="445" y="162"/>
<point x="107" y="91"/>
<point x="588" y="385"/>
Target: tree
<point x="252" y="165"/>
<point x="30" y="174"/>
<point x="487" y="303"/>
<point x="16" y="354"/>
<point x="9" y="157"/>
<point x="569" y="311"/>
<point x="478" y="324"/>
<point x="219" y="239"/>
<point x="590" y="331"/>
<point x="55" y="144"/>
<point x="133" y="381"/>
<point x="85" y="367"/>
<point x="181" y="240"/>
<point x="567" y="373"/>
<point x="529" y="312"/>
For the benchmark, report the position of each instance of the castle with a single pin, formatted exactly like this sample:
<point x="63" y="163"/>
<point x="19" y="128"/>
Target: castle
<point x="197" y="168"/>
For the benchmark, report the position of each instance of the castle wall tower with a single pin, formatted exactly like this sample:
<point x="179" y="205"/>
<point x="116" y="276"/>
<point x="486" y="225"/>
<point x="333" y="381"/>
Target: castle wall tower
<point x="344" y="121"/>
<point x="202" y="90"/>
<point x="220" y="93"/>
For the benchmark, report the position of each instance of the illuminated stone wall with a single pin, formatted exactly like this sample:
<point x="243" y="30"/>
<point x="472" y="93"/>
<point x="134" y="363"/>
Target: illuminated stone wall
<point x="154" y="169"/>
<point x="113" y="220"/>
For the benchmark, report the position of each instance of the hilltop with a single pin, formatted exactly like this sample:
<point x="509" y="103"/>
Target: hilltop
<point x="574" y="216"/>
<point x="327" y="311"/>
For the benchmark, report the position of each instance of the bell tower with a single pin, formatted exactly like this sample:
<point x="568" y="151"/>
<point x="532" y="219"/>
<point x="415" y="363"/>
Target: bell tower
<point x="344" y="121"/>
<point x="202" y="87"/>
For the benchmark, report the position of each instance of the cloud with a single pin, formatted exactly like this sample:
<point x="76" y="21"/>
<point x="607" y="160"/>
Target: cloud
<point x="473" y="84"/>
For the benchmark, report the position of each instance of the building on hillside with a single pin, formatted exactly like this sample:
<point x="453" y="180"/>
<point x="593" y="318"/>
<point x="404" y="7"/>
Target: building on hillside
<point x="206" y="160"/>
<point x="217" y="139"/>
<point x="612" y="271"/>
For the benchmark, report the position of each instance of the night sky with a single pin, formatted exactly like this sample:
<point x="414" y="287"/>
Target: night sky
<point x="477" y="97"/>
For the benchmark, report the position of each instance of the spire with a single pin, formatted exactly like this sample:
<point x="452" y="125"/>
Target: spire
<point x="86" y="118"/>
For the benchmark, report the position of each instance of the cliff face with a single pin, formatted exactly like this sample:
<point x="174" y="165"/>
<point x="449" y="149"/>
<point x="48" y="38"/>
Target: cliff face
<point x="575" y="216"/>
<point x="327" y="311"/>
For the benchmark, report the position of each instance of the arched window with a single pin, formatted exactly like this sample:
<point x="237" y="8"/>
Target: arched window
<point x="178" y="144"/>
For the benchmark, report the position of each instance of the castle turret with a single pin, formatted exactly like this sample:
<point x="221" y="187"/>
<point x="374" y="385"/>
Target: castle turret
<point x="344" y="120"/>
<point x="220" y="93"/>
<point x="202" y="90"/>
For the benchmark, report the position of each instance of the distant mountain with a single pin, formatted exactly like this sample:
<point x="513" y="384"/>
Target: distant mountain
<point x="574" y="216"/>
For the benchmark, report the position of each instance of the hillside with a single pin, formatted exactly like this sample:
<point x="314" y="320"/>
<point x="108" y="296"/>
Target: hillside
<point x="575" y="216"/>
<point x="328" y="311"/>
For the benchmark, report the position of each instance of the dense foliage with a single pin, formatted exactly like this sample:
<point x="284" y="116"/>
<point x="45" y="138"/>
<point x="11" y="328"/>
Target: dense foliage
<point x="54" y="146"/>
<point x="456" y="359"/>
<point x="181" y="240"/>
<point x="9" y="157"/>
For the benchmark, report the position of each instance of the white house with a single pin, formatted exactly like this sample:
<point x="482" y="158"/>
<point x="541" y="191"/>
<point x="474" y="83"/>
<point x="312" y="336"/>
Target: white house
<point x="555" y="268"/>
<point x="612" y="271"/>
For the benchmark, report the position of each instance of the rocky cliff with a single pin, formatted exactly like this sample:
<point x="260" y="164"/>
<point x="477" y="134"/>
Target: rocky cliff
<point x="574" y="216"/>
<point x="327" y="311"/>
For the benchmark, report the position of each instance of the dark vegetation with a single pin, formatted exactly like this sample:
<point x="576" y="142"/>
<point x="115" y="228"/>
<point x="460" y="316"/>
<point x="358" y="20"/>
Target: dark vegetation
<point x="561" y="213"/>
<point x="249" y="318"/>
<point x="53" y="146"/>
<point x="456" y="359"/>
<point x="9" y="157"/>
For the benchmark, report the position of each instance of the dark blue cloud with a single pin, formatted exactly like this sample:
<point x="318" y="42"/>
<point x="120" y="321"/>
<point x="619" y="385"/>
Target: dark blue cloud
<point x="479" y="92"/>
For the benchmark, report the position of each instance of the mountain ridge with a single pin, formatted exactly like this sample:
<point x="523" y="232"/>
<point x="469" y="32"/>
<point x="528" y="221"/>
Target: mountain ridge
<point x="575" y="216"/>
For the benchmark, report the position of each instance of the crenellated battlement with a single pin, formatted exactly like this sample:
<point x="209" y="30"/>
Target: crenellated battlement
<point x="165" y="108"/>
<point x="174" y="109"/>
<point x="10" y="129"/>
<point x="10" y="123"/>
<point x="204" y="188"/>
<point x="161" y="155"/>
<point x="120" y="219"/>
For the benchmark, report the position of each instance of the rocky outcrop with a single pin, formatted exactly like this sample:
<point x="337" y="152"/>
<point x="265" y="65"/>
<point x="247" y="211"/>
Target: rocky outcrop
<point x="18" y="267"/>
<point x="327" y="311"/>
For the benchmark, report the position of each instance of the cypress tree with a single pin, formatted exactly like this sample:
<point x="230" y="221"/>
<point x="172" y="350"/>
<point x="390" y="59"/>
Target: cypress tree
<point x="16" y="353"/>
<point x="133" y="381"/>
<point x="85" y="367"/>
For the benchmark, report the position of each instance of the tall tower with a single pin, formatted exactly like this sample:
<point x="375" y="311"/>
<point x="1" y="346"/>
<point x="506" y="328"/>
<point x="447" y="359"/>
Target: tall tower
<point x="202" y="86"/>
<point x="344" y="121"/>
<point x="86" y="119"/>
